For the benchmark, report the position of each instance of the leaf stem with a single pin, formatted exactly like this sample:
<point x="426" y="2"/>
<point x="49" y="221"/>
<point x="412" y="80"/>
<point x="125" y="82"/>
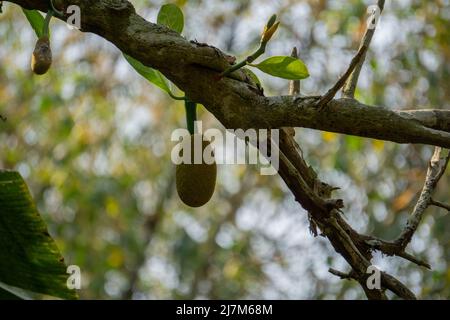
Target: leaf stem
<point x="56" y="12"/>
<point x="261" y="50"/>
<point x="191" y="115"/>
<point x="176" y="97"/>
<point x="46" y="28"/>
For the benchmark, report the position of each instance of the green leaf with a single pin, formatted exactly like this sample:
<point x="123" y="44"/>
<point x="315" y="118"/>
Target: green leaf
<point x="150" y="74"/>
<point x="284" y="67"/>
<point x="36" y="20"/>
<point x="29" y="257"/>
<point x="7" y="295"/>
<point x="252" y="76"/>
<point x="172" y="17"/>
<point x="13" y="293"/>
<point x="354" y="144"/>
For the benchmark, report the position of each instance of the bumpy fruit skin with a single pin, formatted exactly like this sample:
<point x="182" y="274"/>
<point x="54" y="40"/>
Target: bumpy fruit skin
<point x="41" y="59"/>
<point x="196" y="182"/>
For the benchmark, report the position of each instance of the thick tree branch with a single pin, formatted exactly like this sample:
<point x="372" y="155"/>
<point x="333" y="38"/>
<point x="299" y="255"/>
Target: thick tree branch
<point x="237" y="102"/>
<point x="312" y="194"/>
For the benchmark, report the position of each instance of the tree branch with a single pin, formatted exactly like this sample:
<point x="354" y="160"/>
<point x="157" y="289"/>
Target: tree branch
<point x="440" y="205"/>
<point x="436" y="169"/>
<point x="342" y="275"/>
<point x="237" y="102"/>
<point x="350" y="78"/>
<point x="357" y="60"/>
<point x="313" y="195"/>
<point x="351" y="83"/>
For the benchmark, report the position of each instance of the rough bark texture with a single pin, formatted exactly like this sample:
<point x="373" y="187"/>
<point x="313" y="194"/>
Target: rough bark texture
<point x="236" y="101"/>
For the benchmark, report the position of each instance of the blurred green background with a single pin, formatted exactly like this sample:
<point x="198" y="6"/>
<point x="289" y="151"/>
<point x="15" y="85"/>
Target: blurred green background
<point x="92" y="140"/>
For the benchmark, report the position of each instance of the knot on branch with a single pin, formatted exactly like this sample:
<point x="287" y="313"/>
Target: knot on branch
<point x="334" y="204"/>
<point x="118" y="5"/>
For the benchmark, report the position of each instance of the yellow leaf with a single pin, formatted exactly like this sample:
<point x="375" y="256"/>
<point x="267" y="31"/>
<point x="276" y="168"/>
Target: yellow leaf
<point x="116" y="258"/>
<point x="378" y="145"/>
<point x="231" y="269"/>
<point x="403" y="200"/>
<point x="112" y="207"/>
<point x="329" y="136"/>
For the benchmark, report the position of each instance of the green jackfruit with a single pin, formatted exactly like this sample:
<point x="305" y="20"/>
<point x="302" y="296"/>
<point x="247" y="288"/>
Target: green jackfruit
<point x="196" y="182"/>
<point x="41" y="59"/>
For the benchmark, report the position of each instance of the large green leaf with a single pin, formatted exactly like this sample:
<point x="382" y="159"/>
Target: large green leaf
<point x="36" y="20"/>
<point x="13" y="293"/>
<point x="6" y="295"/>
<point x="172" y="17"/>
<point x="29" y="258"/>
<point x="284" y="67"/>
<point x="150" y="74"/>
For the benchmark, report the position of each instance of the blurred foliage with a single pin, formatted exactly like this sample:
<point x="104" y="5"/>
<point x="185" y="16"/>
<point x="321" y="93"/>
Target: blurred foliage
<point x="92" y="140"/>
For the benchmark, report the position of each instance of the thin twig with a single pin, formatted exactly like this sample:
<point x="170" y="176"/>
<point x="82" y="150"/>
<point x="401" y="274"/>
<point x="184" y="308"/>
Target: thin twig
<point x="342" y="275"/>
<point x="294" y="85"/>
<point x="440" y="204"/>
<point x="325" y="99"/>
<point x="393" y="249"/>
<point x="349" y="88"/>
<point x="269" y="30"/>
<point x="413" y="259"/>
<point x="436" y="169"/>
<point x="353" y="70"/>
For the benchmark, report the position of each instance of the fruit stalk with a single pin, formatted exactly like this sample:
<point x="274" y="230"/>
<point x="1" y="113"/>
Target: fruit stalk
<point x="41" y="59"/>
<point x="191" y="115"/>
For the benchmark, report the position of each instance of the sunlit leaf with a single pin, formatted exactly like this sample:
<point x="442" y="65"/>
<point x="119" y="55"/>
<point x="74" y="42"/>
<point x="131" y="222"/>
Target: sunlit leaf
<point x="7" y="295"/>
<point x="284" y="67"/>
<point x="150" y="74"/>
<point x="171" y="16"/>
